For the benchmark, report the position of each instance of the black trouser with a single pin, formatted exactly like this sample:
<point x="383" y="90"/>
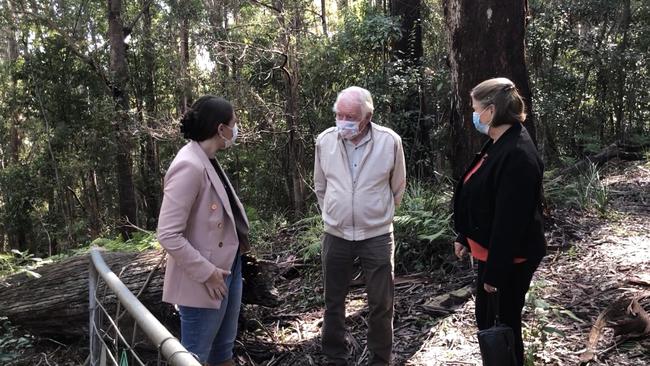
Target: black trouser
<point x="376" y="256"/>
<point x="512" y="296"/>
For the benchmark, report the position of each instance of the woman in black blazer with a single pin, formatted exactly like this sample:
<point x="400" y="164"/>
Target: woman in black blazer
<point x="498" y="206"/>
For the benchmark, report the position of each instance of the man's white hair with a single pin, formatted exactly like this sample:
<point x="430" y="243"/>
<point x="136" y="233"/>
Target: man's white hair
<point x="357" y="95"/>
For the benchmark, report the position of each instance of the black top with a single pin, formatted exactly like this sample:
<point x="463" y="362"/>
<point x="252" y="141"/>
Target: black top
<point x="236" y="212"/>
<point x="500" y="206"/>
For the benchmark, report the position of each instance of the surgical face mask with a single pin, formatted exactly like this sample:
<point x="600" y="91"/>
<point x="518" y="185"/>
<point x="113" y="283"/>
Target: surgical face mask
<point x="480" y="127"/>
<point x="231" y="141"/>
<point x="347" y="129"/>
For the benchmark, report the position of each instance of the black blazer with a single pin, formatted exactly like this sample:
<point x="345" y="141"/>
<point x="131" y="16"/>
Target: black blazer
<point x="500" y="206"/>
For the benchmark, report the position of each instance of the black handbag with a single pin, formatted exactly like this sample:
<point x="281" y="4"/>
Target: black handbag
<point x="497" y="343"/>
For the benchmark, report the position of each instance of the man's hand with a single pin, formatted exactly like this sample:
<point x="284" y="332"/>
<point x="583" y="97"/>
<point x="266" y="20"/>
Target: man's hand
<point x="216" y="284"/>
<point x="460" y="250"/>
<point x="489" y="288"/>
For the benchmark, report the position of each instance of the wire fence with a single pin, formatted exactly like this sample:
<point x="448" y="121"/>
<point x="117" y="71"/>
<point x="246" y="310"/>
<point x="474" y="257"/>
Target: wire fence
<point x="115" y="338"/>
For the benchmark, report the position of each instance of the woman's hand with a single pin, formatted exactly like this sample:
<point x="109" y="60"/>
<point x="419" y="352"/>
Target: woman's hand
<point x="216" y="284"/>
<point x="460" y="250"/>
<point x="489" y="288"/>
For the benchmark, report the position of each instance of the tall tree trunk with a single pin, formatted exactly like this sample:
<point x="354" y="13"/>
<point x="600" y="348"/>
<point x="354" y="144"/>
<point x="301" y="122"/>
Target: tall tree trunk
<point x="184" y="84"/>
<point x="621" y="74"/>
<point x="60" y="196"/>
<point x="15" y="141"/>
<point x="296" y="148"/>
<point x="407" y="52"/>
<point x="10" y="31"/>
<point x="486" y="40"/>
<point x="218" y="19"/>
<point x="290" y="71"/>
<point x="323" y="15"/>
<point x="119" y="78"/>
<point x="17" y="233"/>
<point x="216" y="15"/>
<point x="91" y="197"/>
<point x="151" y="167"/>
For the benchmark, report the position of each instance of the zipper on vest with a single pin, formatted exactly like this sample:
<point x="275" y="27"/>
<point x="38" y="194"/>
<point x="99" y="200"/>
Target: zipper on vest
<point x="354" y="186"/>
<point x="354" y="230"/>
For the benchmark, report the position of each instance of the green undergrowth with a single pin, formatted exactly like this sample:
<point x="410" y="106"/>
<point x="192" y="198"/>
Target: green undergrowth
<point x="584" y="191"/>
<point x="422" y="229"/>
<point x="13" y="342"/>
<point x="545" y="323"/>
<point x="16" y="261"/>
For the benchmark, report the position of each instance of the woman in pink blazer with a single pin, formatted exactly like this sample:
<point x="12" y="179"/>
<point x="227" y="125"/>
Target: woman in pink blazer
<point x="203" y="227"/>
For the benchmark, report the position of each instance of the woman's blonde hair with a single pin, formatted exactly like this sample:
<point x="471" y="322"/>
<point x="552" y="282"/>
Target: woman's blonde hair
<point x="509" y="107"/>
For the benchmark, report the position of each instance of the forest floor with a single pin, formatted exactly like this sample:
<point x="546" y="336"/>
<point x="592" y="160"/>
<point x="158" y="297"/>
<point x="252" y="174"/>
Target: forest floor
<point x="597" y="268"/>
<point x="596" y="262"/>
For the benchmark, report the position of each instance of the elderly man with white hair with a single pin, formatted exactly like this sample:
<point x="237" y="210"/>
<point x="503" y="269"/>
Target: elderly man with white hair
<point x="359" y="177"/>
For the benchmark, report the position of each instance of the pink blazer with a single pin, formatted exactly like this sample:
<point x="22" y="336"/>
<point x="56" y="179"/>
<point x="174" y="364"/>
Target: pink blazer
<point x="196" y="227"/>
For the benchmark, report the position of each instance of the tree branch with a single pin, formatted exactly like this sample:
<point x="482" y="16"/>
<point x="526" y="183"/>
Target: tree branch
<point x="129" y="28"/>
<point x="266" y="6"/>
<point x="69" y="41"/>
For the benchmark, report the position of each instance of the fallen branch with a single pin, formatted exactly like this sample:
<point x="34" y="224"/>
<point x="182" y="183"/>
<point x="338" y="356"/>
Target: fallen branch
<point x="616" y="150"/>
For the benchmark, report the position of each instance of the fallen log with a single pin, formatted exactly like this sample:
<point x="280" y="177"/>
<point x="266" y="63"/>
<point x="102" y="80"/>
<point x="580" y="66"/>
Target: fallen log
<point x="56" y="304"/>
<point x="616" y="150"/>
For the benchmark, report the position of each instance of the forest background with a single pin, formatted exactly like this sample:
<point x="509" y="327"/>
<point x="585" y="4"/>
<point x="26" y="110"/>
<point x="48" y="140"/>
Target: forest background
<point x="91" y="95"/>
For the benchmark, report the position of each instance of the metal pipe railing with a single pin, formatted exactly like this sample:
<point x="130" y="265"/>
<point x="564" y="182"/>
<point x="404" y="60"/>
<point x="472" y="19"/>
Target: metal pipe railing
<point x="167" y="344"/>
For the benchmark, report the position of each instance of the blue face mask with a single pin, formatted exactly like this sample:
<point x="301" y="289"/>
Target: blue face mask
<point x="480" y="127"/>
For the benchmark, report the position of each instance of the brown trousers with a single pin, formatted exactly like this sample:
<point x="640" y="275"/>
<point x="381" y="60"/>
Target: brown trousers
<point x="376" y="256"/>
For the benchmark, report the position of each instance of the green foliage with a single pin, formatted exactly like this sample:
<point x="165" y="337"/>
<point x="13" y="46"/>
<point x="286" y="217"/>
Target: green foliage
<point x="589" y="77"/>
<point x="16" y="262"/>
<point x="311" y="237"/>
<point x="543" y="319"/>
<point x="138" y="242"/>
<point x="586" y="191"/>
<point x="12" y="342"/>
<point x="264" y="232"/>
<point x="423" y="229"/>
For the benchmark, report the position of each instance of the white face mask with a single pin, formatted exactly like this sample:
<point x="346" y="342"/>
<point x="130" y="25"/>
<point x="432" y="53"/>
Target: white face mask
<point x="347" y="129"/>
<point x="231" y="141"/>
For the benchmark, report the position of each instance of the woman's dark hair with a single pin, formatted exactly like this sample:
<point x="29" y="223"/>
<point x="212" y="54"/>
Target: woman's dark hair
<point x="509" y="107"/>
<point x="201" y="121"/>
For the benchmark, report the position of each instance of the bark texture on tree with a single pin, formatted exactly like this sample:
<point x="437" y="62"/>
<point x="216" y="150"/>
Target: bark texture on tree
<point x="151" y="168"/>
<point x="408" y="51"/>
<point x="184" y="83"/>
<point x="486" y="40"/>
<point x="56" y="304"/>
<point x="295" y="160"/>
<point x="119" y="87"/>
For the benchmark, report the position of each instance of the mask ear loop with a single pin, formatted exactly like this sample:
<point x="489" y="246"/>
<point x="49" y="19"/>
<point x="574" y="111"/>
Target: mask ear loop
<point x="489" y="124"/>
<point x="227" y="142"/>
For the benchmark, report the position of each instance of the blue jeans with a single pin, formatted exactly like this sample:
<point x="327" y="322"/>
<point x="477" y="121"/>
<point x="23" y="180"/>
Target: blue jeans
<point x="210" y="333"/>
